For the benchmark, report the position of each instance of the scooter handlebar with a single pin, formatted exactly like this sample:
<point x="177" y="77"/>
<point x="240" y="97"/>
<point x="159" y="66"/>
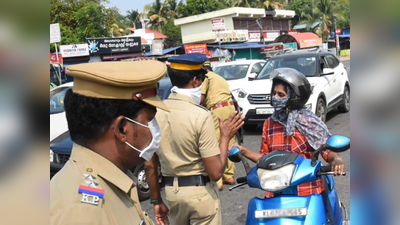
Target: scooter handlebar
<point x="240" y="180"/>
<point x="327" y="170"/>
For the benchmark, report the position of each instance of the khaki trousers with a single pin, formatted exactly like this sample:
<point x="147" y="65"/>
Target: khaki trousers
<point x="194" y="205"/>
<point x="224" y="113"/>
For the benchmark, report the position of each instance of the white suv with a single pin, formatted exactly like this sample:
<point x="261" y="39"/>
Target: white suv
<point x="239" y="72"/>
<point x="327" y="75"/>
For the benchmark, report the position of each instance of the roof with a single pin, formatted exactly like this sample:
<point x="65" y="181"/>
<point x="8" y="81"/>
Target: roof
<point x="304" y="26"/>
<point x="235" y="11"/>
<point x="246" y="45"/>
<point x="157" y="35"/>
<point x="304" y="40"/>
<point x="165" y="51"/>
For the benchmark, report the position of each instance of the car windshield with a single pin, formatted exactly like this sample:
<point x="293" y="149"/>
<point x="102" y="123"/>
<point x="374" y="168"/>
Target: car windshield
<point x="57" y="100"/>
<point x="305" y="64"/>
<point x="232" y="72"/>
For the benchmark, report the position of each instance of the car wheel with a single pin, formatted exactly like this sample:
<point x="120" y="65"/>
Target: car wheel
<point x="142" y="185"/>
<point x="346" y="101"/>
<point x="249" y="127"/>
<point x="320" y="111"/>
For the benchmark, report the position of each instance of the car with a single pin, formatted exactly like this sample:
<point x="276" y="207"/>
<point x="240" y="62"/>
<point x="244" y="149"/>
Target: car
<point x="327" y="75"/>
<point x="58" y="121"/>
<point x="239" y="72"/>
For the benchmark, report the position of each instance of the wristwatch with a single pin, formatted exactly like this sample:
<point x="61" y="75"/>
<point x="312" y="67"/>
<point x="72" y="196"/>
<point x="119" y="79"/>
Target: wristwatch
<point x="155" y="201"/>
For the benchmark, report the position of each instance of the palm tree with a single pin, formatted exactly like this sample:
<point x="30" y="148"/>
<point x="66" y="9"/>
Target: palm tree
<point x="275" y="4"/>
<point x="241" y="3"/>
<point x="132" y="16"/>
<point x="172" y="9"/>
<point x="116" y="31"/>
<point x="156" y="13"/>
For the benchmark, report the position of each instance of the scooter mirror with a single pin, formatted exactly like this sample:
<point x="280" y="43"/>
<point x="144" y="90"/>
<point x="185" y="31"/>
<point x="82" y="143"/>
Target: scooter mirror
<point x="233" y="154"/>
<point x="338" y="143"/>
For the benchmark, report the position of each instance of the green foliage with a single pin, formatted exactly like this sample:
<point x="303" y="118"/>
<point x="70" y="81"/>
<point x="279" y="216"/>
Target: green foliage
<point x="92" y="22"/>
<point x="174" y="34"/>
<point x="195" y="7"/>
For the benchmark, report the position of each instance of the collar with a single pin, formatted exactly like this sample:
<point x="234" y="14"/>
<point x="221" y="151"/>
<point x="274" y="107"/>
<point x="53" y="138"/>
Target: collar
<point x="182" y="97"/>
<point x="103" y="167"/>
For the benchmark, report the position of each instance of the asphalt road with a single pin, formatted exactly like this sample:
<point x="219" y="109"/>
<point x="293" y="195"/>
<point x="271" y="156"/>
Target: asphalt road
<point x="234" y="203"/>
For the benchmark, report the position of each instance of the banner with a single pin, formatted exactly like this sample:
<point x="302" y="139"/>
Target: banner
<point x="105" y="46"/>
<point x="55" y="34"/>
<point x="53" y="58"/>
<point x="74" y="50"/>
<point x="196" y="48"/>
<point x="232" y="36"/>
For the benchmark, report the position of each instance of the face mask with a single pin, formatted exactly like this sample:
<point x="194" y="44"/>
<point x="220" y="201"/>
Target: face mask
<point x="194" y="93"/>
<point x="148" y="152"/>
<point x="279" y="103"/>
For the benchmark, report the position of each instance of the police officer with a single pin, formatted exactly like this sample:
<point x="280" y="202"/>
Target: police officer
<point x="216" y="97"/>
<point x="110" y="114"/>
<point x="191" y="158"/>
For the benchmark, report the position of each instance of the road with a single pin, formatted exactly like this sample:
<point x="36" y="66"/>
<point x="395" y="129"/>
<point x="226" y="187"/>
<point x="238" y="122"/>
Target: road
<point x="234" y="203"/>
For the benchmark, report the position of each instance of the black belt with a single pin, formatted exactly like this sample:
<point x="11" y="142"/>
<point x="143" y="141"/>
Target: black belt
<point x="196" y="180"/>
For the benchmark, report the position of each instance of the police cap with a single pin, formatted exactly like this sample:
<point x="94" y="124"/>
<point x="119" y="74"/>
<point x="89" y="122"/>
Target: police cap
<point x="192" y="61"/>
<point x="119" y="80"/>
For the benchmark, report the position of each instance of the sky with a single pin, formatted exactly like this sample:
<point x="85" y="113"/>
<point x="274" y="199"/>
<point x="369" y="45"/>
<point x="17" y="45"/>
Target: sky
<point x="125" y="5"/>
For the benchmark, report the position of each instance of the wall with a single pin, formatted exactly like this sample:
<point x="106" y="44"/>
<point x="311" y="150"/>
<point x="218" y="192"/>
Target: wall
<point x="254" y="53"/>
<point x="200" y="32"/>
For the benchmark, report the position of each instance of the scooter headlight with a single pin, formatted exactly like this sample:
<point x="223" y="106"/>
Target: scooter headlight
<point x="276" y="180"/>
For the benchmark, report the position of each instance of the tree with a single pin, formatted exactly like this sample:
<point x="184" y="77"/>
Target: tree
<point x="302" y="8"/>
<point x="155" y="12"/>
<point x="195" y="7"/>
<point x="131" y="17"/>
<point x="174" y="34"/>
<point x="92" y="22"/>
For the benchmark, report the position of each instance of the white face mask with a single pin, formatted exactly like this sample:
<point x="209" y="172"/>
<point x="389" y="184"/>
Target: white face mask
<point x="148" y="152"/>
<point x="194" y="93"/>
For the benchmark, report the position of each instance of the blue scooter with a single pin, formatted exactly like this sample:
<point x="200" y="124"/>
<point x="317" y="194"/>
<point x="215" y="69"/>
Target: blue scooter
<point x="281" y="172"/>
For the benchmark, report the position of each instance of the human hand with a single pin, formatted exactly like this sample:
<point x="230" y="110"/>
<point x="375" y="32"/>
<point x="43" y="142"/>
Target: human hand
<point x="161" y="212"/>
<point x="241" y="148"/>
<point x="229" y="128"/>
<point x="337" y="166"/>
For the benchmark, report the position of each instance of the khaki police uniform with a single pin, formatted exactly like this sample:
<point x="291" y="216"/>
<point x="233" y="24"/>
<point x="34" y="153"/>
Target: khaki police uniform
<point x="219" y="101"/>
<point x="90" y="189"/>
<point x="188" y="135"/>
<point x="119" y="205"/>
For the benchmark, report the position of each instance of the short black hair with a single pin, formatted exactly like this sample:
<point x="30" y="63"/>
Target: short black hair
<point x="89" y="118"/>
<point x="181" y="78"/>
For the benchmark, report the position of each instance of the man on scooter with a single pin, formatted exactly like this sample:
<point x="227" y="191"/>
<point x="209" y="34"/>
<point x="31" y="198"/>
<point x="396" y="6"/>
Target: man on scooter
<point x="293" y="127"/>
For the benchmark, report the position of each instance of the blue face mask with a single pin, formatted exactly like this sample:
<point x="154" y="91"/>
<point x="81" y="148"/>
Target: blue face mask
<point x="279" y="103"/>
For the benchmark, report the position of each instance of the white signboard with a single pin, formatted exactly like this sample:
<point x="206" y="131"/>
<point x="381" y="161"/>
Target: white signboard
<point x="218" y="24"/>
<point x="74" y="50"/>
<point x="232" y="36"/>
<point x="55" y="34"/>
<point x="157" y="47"/>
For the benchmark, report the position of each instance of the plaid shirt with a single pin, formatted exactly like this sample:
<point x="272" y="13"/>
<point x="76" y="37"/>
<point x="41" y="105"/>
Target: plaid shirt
<point x="274" y="139"/>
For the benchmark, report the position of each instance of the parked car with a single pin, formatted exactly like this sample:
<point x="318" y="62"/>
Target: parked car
<point x="238" y="73"/>
<point x="327" y="75"/>
<point x="58" y="121"/>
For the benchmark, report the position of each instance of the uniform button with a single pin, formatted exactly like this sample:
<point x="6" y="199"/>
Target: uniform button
<point x="89" y="170"/>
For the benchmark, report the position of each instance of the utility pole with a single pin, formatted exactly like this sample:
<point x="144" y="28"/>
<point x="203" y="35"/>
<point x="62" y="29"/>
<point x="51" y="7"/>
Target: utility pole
<point x="336" y="39"/>
<point x="259" y="23"/>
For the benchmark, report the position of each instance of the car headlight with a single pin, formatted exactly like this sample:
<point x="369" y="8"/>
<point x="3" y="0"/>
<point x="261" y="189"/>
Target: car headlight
<point x="51" y="156"/>
<point x="276" y="180"/>
<point x="242" y="94"/>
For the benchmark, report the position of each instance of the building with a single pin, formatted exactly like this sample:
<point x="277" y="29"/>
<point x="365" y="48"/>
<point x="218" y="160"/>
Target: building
<point x="239" y="25"/>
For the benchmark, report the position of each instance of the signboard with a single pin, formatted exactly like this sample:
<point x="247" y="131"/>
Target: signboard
<point x="218" y="24"/>
<point x="255" y="36"/>
<point x="196" y="48"/>
<point x="55" y="34"/>
<point x="232" y="36"/>
<point x="292" y="32"/>
<point x="338" y="31"/>
<point x="74" y="50"/>
<point x="157" y="47"/>
<point x="308" y="43"/>
<point x="272" y="48"/>
<point x="104" y="46"/>
<point x="55" y="59"/>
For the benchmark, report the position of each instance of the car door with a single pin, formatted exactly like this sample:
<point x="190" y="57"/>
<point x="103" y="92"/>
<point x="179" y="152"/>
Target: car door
<point x="328" y="87"/>
<point x="336" y="86"/>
